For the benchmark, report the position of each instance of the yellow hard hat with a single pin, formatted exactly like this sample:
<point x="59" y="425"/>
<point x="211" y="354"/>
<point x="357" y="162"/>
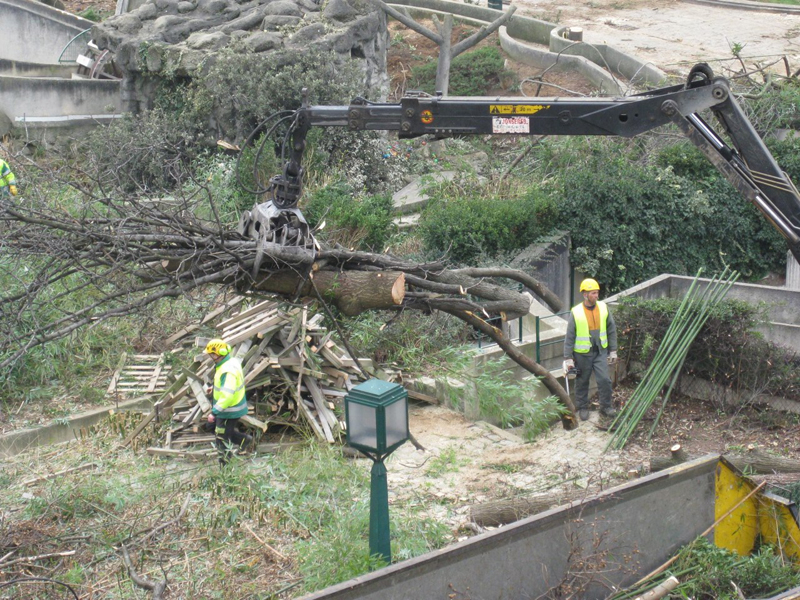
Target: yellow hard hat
<point x="589" y="285"/>
<point x="217" y="346"/>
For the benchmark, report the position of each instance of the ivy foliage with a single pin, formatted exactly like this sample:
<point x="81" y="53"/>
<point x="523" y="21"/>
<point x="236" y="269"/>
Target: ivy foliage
<point x="474" y="73"/>
<point x="631" y="221"/>
<point x="716" y="354"/>
<point x="468" y="220"/>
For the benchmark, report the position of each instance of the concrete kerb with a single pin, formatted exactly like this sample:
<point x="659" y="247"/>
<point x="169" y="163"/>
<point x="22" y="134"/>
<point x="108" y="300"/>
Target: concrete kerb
<point x="544" y="58"/>
<point x="745" y="5"/>
<point x="630" y="67"/>
<point x="15" y="442"/>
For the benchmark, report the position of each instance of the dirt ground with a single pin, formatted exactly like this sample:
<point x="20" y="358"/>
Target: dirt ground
<point x="466" y="463"/>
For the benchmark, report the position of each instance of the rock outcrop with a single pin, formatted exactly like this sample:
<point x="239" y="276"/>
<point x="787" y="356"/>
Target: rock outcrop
<point x="179" y="38"/>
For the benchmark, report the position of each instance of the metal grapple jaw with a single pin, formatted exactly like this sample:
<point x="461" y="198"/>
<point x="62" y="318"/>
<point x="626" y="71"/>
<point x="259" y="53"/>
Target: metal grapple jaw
<point x="270" y="224"/>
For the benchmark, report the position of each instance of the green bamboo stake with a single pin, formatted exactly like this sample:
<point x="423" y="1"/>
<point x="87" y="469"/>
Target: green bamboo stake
<point x="692" y="314"/>
<point x="654" y="365"/>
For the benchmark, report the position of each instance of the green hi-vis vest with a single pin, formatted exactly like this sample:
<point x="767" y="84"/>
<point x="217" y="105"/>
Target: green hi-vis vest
<point x="229" y="400"/>
<point x="583" y="341"/>
<point x="6" y="176"/>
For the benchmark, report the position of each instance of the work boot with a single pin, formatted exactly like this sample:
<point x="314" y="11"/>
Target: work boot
<point x="584" y="414"/>
<point x="247" y="445"/>
<point x="609" y="411"/>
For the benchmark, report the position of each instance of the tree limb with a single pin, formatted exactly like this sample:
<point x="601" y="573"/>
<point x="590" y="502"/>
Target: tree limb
<point x="408" y="21"/>
<point x="482" y="32"/>
<point x="144" y="583"/>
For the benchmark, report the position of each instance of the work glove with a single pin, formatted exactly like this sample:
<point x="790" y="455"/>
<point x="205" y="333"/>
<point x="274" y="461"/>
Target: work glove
<point x="13" y="189"/>
<point x="568" y="364"/>
<point x="612" y="357"/>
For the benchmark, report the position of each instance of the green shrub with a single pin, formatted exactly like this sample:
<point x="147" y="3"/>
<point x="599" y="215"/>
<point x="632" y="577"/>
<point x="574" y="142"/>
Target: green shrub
<point x="473" y="73"/>
<point x="716" y="354"/>
<point x="630" y="222"/>
<point x="468" y="221"/>
<point x="353" y="221"/>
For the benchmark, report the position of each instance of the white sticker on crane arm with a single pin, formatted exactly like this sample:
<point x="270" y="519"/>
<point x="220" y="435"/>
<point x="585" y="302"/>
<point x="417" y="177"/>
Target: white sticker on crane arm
<point x="511" y="125"/>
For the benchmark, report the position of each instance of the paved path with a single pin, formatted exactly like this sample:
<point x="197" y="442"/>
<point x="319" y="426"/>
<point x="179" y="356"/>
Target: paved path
<point x="675" y="35"/>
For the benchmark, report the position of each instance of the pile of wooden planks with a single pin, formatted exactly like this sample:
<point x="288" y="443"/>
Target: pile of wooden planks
<point x="295" y="375"/>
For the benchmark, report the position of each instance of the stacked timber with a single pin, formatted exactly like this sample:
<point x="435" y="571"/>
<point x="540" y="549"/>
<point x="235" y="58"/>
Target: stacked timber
<point x="296" y="375"/>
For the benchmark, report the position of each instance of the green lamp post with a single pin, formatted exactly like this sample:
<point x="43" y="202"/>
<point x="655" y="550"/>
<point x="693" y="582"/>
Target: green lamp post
<point x="376" y="414"/>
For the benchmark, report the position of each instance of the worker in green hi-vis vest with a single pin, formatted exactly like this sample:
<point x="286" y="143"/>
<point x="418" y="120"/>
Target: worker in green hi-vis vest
<point x="590" y="345"/>
<point x="230" y="402"/>
<point x="8" y="182"/>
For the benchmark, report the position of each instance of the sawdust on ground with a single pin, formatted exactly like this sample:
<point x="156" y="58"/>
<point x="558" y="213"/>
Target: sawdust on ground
<point x="465" y="463"/>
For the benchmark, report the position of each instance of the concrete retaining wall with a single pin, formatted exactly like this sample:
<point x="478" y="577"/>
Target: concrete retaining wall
<point x="25" y="97"/>
<point x="781" y="304"/>
<point x="643" y="521"/>
<point x="25" y="69"/>
<point x="56" y="433"/>
<point x="34" y="32"/>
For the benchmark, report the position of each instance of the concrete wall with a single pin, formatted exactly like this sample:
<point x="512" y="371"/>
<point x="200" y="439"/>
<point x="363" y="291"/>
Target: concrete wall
<point x="792" y="272"/>
<point x="25" y="97"/>
<point x="782" y="304"/>
<point x="26" y="69"/>
<point x="56" y="433"/>
<point x="644" y="521"/>
<point x="34" y="32"/>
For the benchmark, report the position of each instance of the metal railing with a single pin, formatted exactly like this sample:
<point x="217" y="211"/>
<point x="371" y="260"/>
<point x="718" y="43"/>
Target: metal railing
<point x="498" y="322"/>
<point x="75" y="47"/>
<point x="539" y="343"/>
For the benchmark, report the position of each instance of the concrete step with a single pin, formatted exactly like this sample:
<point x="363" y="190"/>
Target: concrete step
<point x="411" y="199"/>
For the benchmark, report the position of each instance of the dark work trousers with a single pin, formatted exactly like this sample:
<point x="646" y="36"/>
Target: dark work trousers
<point x="228" y="438"/>
<point x="595" y="361"/>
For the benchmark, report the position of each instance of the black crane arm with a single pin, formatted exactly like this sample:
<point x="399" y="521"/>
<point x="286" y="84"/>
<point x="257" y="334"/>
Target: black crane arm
<point x="748" y="165"/>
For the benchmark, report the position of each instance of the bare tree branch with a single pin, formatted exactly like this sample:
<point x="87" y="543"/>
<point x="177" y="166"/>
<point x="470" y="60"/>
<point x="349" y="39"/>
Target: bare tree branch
<point x="482" y="32"/>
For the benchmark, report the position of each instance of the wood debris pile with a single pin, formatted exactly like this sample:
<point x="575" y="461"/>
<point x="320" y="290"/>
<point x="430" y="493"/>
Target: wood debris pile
<point x="295" y="375"/>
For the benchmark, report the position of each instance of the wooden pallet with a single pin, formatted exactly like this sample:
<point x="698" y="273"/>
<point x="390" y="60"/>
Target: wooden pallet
<point x="139" y="375"/>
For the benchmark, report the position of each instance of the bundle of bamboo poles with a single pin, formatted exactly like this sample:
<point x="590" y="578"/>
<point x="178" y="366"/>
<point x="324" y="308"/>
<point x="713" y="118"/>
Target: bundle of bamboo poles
<point x="692" y="314"/>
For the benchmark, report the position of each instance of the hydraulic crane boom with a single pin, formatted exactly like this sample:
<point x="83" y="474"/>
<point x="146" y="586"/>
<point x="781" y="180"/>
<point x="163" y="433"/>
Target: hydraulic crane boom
<point x="748" y="165"/>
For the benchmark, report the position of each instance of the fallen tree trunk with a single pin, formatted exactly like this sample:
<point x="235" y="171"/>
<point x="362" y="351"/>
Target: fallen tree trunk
<point x="121" y="254"/>
<point x="754" y="462"/>
<point x="507" y="510"/>
<point x="352" y="292"/>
